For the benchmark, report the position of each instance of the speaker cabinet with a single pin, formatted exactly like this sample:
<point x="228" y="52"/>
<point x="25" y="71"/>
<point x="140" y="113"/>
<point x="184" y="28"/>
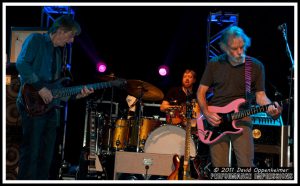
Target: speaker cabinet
<point x="12" y="89"/>
<point x="271" y="144"/>
<point x="266" y="135"/>
<point x="12" y="153"/>
<point x="137" y="163"/>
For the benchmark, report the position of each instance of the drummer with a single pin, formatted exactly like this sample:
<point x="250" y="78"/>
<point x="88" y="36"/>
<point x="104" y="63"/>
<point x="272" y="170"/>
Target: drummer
<point x="174" y="102"/>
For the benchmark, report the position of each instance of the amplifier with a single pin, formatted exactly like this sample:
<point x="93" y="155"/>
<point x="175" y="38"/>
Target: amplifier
<point x="143" y="163"/>
<point x="264" y="119"/>
<point x="268" y="135"/>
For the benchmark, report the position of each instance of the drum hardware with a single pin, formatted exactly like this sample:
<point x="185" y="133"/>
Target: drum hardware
<point x="174" y="115"/>
<point x="142" y="91"/>
<point x="109" y="77"/>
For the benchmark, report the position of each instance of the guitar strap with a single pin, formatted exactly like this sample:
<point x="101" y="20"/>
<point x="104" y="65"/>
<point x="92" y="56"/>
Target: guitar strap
<point x="248" y="69"/>
<point x="54" y="64"/>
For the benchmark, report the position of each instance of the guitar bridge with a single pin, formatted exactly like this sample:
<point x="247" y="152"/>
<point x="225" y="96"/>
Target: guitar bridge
<point x="206" y="135"/>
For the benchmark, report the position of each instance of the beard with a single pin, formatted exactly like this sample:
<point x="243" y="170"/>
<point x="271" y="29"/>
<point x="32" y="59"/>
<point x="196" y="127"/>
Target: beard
<point x="236" y="60"/>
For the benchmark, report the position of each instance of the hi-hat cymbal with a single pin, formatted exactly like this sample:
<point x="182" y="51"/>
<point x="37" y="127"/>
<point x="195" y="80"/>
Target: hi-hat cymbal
<point x="146" y="91"/>
<point x="109" y="77"/>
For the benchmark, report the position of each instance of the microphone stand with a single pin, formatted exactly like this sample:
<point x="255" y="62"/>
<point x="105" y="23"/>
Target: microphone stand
<point x="284" y="31"/>
<point x="290" y="78"/>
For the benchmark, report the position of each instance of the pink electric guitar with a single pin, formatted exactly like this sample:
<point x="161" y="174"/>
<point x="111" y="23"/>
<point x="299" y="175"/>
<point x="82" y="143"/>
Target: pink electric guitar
<point x="229" y="114"/>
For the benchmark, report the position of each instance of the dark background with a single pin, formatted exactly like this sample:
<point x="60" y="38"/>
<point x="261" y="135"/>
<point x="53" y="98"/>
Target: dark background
<point x="134" y="41"/>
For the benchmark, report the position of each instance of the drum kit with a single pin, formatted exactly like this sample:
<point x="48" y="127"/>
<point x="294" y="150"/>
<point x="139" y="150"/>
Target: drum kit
<point x="129" y="134"/>
<point x="141" y="133"/>
<point x="144" y="133"/>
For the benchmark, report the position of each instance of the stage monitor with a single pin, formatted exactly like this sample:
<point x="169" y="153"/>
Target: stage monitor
<point x="17" y="38"/>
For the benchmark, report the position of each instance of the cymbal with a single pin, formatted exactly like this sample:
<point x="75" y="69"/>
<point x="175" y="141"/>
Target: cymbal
<point x="148" y="91"/>
<point x="109" y="77"/>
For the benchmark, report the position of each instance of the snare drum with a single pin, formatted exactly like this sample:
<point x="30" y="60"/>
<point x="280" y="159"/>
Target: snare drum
<point x="168" y="139"/>
<point x="174" y="115"/>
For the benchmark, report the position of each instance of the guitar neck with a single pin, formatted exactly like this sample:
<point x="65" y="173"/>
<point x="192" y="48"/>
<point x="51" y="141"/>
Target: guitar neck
<point x="69" y="91"/>
<point x="187" y="141"/>
<point x="92" y="134"/>
<point x="187" y="150"/>
<point x="248" y="112"/>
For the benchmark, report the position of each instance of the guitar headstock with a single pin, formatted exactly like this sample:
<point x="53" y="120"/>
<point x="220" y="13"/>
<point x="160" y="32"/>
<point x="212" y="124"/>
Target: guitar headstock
<point x="285" y="101"/>
<point x="119" y="82"/>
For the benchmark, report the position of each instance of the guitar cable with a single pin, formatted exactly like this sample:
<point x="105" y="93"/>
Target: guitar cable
<point x="147" y="168"/>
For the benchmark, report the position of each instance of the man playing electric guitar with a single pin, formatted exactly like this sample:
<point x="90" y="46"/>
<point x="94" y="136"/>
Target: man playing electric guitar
<point x="233" y="76"/>
<point x="40" y="62"/>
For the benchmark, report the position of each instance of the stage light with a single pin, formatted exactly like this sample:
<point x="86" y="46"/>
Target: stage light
<point x="101" y="67"/>
<point x="163" y="70"/>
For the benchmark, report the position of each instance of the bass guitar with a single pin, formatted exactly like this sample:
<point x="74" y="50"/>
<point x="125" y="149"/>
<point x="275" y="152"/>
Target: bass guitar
<point x="229" y="114"/>
<point x="34" y="104"/>
<point x="182" y="167"/>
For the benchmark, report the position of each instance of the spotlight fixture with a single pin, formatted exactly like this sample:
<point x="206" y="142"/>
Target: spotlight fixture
<point x="163" y="70"/>
<point x="101" y="67"/>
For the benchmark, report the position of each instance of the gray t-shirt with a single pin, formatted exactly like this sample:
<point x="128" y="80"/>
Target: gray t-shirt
<point x="228" y="81"/>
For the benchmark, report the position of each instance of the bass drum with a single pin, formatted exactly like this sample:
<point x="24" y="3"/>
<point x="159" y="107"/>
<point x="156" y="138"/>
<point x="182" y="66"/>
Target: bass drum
<point x="168" y="139"/>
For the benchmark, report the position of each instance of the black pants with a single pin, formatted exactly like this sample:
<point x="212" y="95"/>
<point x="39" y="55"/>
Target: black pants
<point x="38" y="140"/>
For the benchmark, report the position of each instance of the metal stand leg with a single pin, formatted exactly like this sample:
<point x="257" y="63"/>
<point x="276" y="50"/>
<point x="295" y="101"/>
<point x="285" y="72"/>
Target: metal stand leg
<point x="230" y="154"/>
<point x="64" y="163"/>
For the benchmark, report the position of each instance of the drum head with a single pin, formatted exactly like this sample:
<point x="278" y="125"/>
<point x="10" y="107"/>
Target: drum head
<point x="168" y="139"/>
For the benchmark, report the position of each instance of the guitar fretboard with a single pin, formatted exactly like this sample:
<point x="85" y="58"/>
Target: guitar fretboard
<point x="68" y="91"/>
<point x="92" y="134"/>
<point x="244" y="113"/>
<point x="187" y="141"/>
<point x="254" y="110"/>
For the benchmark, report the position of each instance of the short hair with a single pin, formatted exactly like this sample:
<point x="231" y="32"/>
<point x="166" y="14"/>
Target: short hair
<point x="192" y="72"/>
<point x="66" y="23"/>
<point x="234" y="31"/>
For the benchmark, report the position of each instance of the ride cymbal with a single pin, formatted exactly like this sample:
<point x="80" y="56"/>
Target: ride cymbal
<point x="145" y="91"/>
<point x="109" y="77"/>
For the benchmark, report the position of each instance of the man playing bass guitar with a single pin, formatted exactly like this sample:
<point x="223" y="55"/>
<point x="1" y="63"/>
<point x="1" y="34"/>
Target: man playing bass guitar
<point x="40" y="62"/>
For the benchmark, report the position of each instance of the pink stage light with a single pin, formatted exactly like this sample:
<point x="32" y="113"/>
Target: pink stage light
<point x="163" y="70"/>
<point x="101" y="67"/>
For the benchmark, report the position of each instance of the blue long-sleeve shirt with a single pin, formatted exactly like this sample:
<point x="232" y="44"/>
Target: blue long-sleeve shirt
<point x="35" y="61"/>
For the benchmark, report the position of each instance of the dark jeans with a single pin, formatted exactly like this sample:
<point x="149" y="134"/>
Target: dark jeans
<point x="38" y="140"/>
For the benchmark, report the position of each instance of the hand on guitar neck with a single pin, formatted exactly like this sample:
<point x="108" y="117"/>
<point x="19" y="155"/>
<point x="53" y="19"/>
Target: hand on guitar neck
<point x="228" y="115"/>
<point x="38" y="102"/>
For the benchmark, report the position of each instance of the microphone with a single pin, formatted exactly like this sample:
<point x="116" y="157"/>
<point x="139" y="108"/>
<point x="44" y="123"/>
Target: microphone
<point x="282" y="27"/>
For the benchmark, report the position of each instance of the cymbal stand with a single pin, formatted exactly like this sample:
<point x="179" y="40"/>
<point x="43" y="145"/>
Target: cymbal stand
<point x="110" y="121"/>
<point x="140" y="113"/>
